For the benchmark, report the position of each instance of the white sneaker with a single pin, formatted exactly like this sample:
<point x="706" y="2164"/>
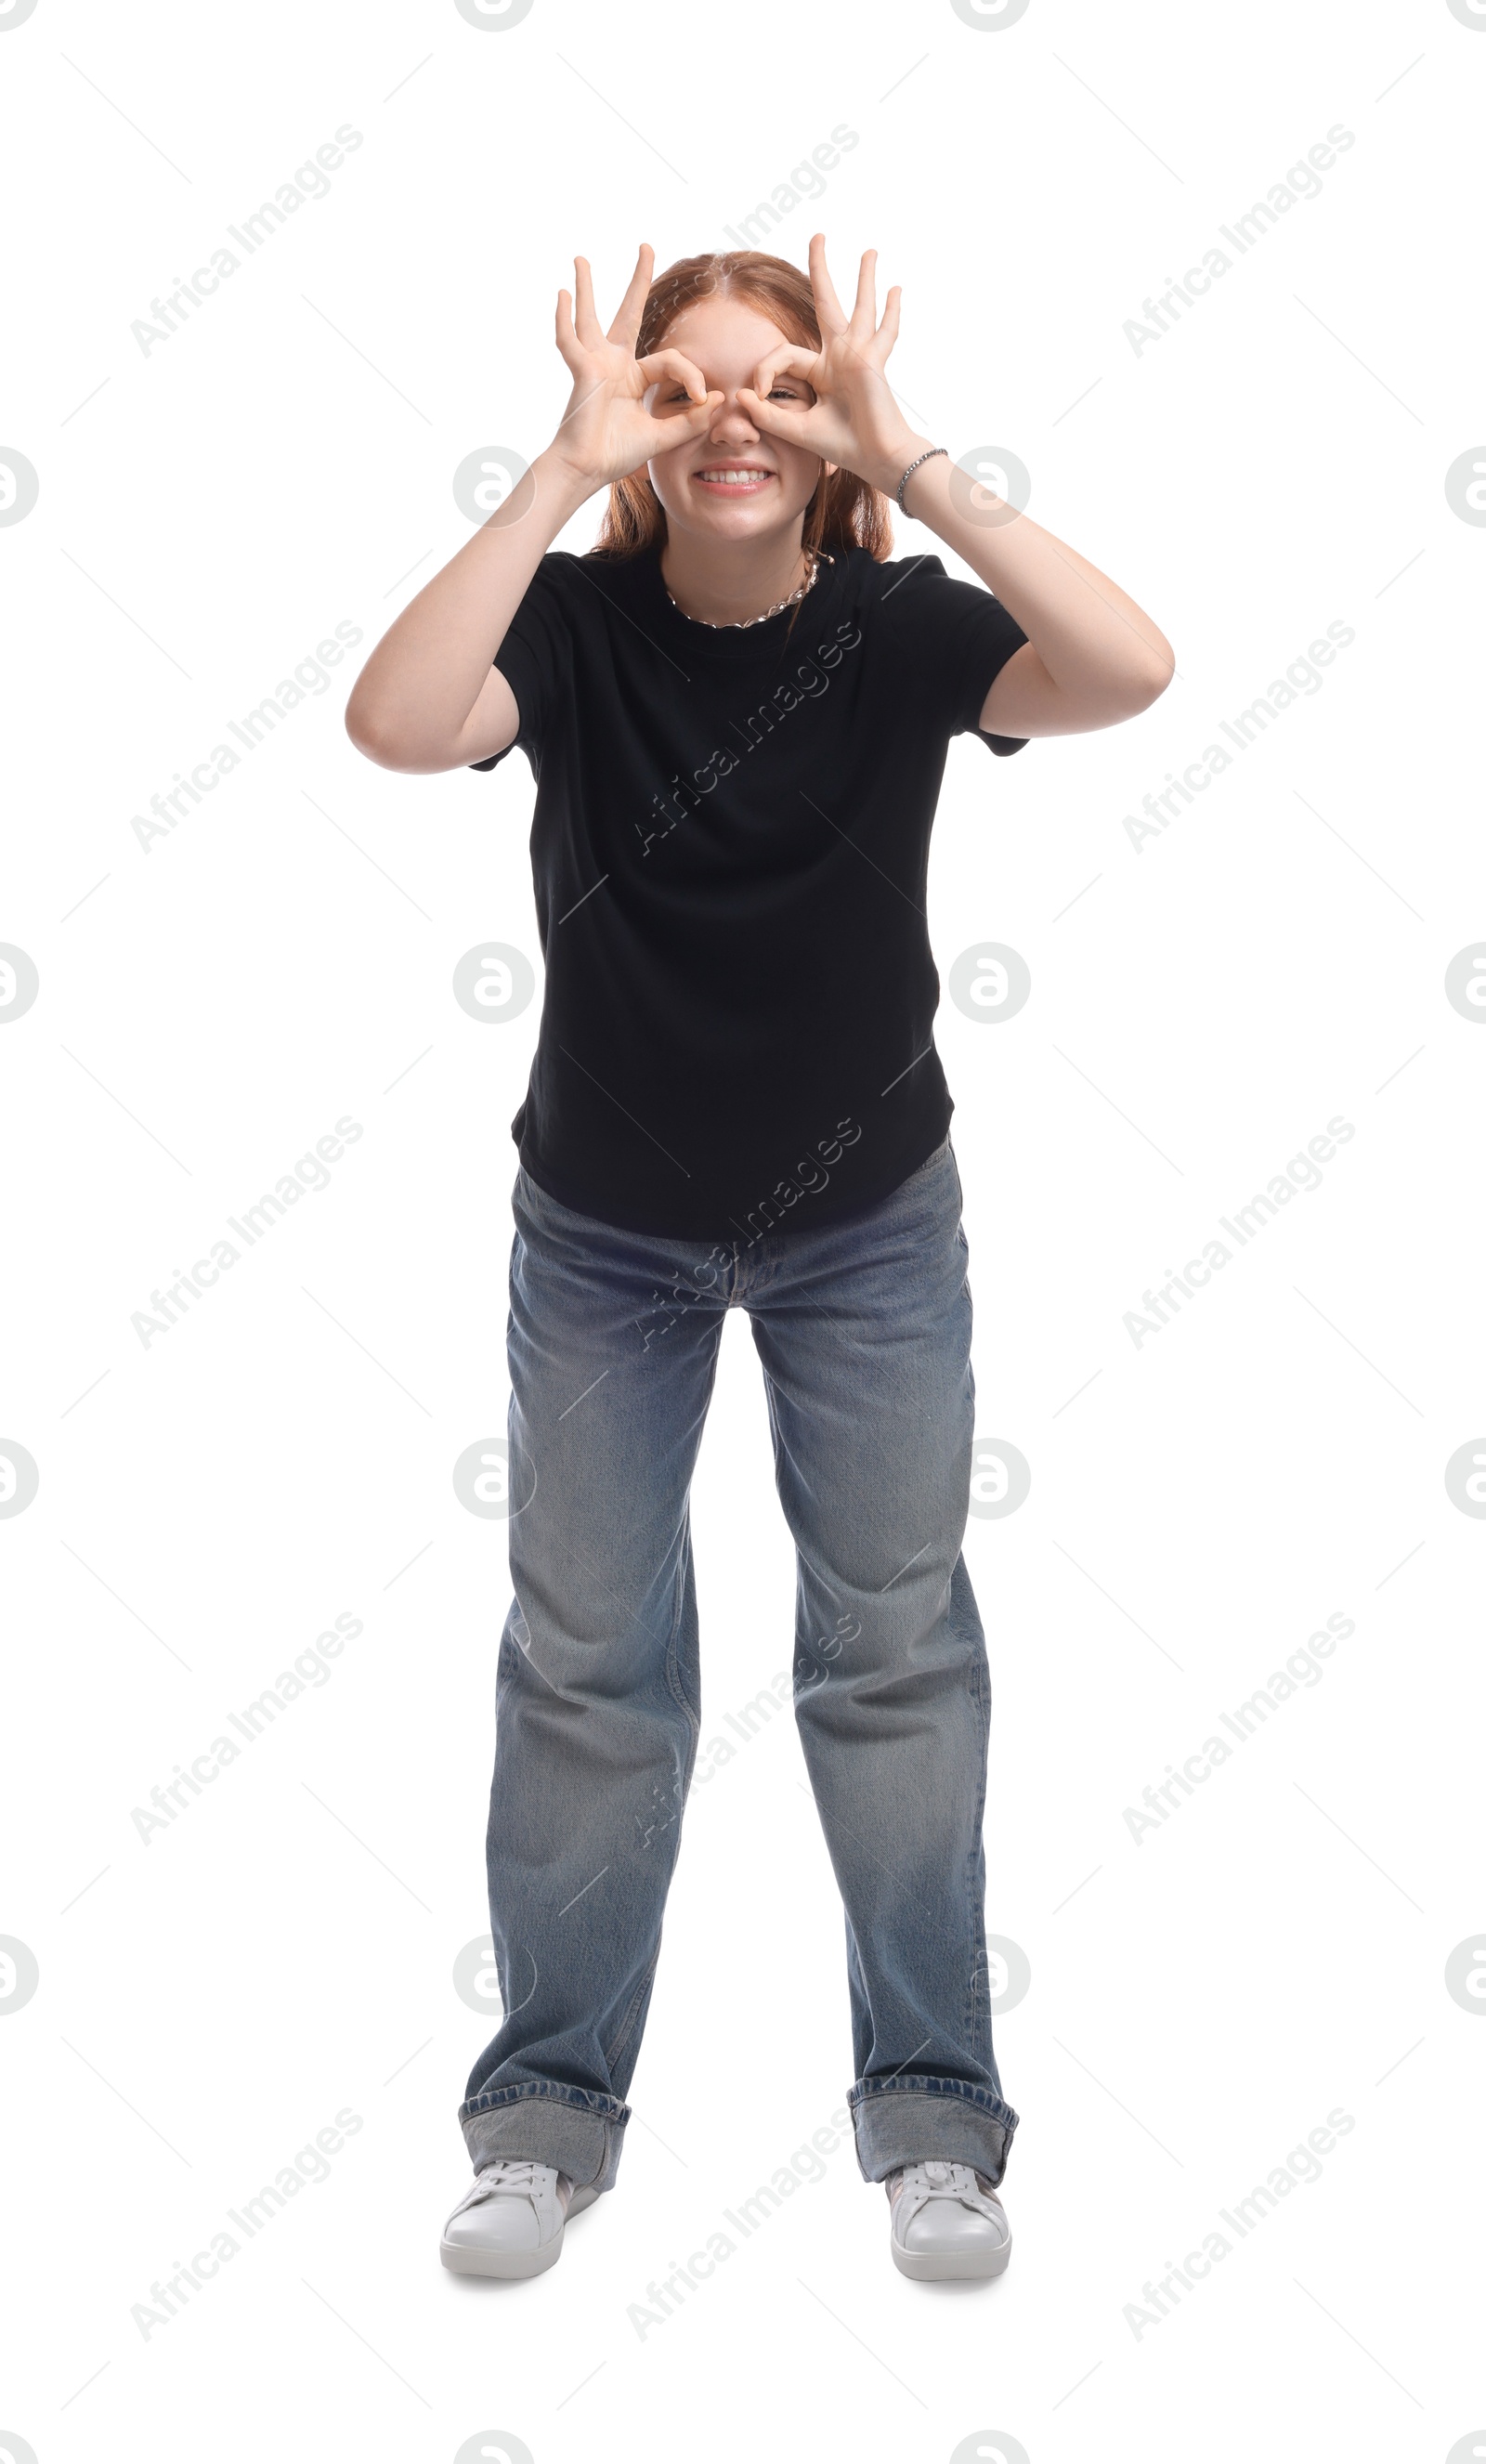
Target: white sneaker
<point x="510" y="2221"/>
<point x="947" y="2221"/>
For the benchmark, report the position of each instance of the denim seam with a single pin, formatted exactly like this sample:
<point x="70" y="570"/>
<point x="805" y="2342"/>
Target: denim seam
<point x="692" y="1716"/>
<point x="926" y="2084"/>
<point x="639" y="1998"/>
<point x="977" y="2020"/>
<point x="631" y="2017"/>
<point x="551" y="2091"/>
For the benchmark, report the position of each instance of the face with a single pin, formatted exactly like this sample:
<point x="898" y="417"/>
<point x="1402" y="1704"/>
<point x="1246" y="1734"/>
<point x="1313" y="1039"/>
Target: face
<point x="732" y="483"/>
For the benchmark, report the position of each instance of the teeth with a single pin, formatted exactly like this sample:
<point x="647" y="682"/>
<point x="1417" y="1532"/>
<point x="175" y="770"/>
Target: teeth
<point x="732" y="478"/>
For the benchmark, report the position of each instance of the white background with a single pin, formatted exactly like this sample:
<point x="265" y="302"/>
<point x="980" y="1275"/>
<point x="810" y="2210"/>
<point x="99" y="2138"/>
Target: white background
<point x="1277" y="1948"/>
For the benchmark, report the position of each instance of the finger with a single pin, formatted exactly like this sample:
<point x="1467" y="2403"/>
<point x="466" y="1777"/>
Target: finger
<point x="567" y="339"/>
<point x="864" y="313"/>
<point x="659" y="366"/>
<point x="789" y="360"/>
<point x="829" y="311"/>
<point x="631" y="308"/>
<point x="590" y="333"/>
<point x="888" y="330"/>
<point x="775" y="418"/>
<point x="681" y="426"/>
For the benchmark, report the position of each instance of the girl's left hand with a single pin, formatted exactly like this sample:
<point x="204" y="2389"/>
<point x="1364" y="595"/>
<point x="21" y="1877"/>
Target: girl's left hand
<point x="854" y="420"/>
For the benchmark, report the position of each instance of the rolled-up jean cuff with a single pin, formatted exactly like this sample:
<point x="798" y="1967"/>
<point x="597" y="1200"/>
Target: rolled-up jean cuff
<point x="579" y="2133"/>
<point x="901" y="2121"/>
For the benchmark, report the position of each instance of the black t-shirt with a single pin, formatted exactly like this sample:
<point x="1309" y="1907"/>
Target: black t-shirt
<point x="730" y="851"/>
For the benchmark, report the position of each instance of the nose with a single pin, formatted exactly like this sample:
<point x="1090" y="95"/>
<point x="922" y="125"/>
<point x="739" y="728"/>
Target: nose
<point x="730" y="423"/>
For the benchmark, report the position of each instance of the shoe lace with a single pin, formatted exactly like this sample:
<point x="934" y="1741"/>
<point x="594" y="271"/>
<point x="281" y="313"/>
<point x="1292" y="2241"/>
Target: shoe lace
<point x="509" y="2173"/>
<point x="936" y="2177"/>
<point x="939" y="2177"/>
<point x="511" y="2177"/>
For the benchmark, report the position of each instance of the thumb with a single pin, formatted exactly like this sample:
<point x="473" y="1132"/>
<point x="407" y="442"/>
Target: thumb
<point x="683" y="426"/>
<point x="767" y="416"/>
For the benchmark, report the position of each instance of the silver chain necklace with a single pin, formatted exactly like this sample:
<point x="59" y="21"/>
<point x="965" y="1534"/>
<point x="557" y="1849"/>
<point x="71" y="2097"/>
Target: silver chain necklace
<point x="736" y="624"/>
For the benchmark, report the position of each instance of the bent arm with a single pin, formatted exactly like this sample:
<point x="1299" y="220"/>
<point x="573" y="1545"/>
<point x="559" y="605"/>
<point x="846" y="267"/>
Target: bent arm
<point x="1091" y="658"/>
<point x="430" y="697"/>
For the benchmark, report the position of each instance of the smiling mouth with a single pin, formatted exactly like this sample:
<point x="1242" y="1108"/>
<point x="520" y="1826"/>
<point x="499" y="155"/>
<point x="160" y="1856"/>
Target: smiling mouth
<point x="739" y="480"/>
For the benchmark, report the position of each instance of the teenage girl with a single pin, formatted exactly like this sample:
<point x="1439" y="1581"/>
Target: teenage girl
<point x="738" y="712"/>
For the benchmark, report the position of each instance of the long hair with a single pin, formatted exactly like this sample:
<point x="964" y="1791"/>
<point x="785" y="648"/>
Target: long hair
<point x="844" y="511"/>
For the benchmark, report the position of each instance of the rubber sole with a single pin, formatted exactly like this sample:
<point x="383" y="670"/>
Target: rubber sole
<point x="465" y="2259"/>
<point x="931" y="2267"/>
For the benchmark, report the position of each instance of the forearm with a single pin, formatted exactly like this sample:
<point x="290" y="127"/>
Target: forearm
<point x="413" y="699"/>
<point x="1099" y="649"/>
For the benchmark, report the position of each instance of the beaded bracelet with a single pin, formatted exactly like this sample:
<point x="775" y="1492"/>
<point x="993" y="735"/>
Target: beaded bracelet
<point x="908" y="474"/>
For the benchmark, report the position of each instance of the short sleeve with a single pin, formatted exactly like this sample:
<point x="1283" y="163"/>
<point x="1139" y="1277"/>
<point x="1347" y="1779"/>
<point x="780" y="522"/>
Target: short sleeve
<point x="536" y="658"/>
<point x="955" y="638"/>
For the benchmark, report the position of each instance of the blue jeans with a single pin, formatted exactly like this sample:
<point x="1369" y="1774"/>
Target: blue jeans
<point x="863" y="1330"/>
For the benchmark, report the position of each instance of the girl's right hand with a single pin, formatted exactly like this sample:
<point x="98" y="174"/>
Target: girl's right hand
<point x="606" y="432"/>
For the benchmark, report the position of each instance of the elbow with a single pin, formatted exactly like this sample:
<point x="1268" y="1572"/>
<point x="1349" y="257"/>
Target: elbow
<point x="396" y="739"/>
<point x="375" y="735"/>
<point x="1149" y="680"/>
<point x="362" y="729"/>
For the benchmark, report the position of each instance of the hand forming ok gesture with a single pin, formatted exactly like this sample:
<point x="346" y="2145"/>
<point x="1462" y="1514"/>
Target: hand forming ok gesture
<point x="854" y="420"/>
<point x="606" y="432"/>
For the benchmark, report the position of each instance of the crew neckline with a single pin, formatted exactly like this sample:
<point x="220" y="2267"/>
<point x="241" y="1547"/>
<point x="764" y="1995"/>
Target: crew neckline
<point x="740" y="643"/>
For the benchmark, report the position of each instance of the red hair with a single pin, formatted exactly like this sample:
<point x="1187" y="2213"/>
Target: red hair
<point x="844" y="511"/>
